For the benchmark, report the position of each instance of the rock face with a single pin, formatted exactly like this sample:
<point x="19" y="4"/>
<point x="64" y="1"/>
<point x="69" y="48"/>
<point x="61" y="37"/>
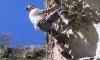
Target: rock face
<point x="94" y="4"/>
<point x="83" y="36"/>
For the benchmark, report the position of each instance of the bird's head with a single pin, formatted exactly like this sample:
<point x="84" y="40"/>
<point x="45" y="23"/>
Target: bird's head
<point x="29" y="7"/>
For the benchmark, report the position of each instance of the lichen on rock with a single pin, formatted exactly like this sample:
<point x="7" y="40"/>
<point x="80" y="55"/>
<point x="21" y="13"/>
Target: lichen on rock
<point x="82" y="33"/>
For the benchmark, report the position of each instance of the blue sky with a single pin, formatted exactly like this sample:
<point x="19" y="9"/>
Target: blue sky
<point x="14" y="20"/>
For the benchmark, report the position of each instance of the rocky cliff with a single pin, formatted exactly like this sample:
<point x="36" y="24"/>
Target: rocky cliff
<point x="82" y="37"/>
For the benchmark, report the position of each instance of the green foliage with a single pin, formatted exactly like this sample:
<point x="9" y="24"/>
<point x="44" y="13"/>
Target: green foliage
<point x="39" y="54"/>
<point x="19" y="53"/>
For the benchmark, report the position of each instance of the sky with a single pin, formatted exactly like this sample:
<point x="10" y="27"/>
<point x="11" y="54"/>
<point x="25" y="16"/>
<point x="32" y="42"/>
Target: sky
<point x="15" y="22"/>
